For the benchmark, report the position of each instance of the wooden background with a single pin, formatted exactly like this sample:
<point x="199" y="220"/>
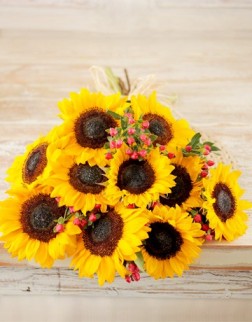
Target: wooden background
<point x="200" y="50"/>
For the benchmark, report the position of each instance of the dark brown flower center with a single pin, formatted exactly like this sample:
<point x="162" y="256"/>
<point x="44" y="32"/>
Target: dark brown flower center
<point x="103" y="238"/>
<point x="135" y="176"/>
<point x="224" y="205"/>
<point x="164" y="241"/>
<point x="35" y="163"/>
<point x="91" y="126"/>
<point x="38" y="216"/>
<point x="87" y="179"/>
<point x="159" y="127"/>
<point x="181" y="191"/>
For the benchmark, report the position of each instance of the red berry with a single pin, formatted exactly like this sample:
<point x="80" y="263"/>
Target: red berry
<point x="148" y="142"/>
<point x="131" y="120"/>
<point x="129" y="151"/>
<point x="131" y="140"/>
<point x="97" y="206"/>
<point x="145" y="124"/>
<point x="71" y="210"/>
<point x="204" y="167"/>
<point x="209" y="237"/>
<point x="92" y="217"/>
<point x="127" y="279"/>
<point x="142" y="153"/>
<point x="197" y="218"/>
<point x="210" y="163"/>
<point x="119" y="143"/>
<point x="203" y="173"/>
<point x="206" y="152"/>
<point x="83" y="222"/>
<point x="112" y="144"/>
<point x="171" y="155"/>
<point x="134" y="155"/>
<point x="129" y="115"/>
<point x="205" y="227"/>
<point x="133" y="268"/>
<point x="162" y="148"/>
<point x="109" y="156"/>
<point x="188" y="148"/>
<point x="207" y="147"/>
<point x="59" y="228"/>
<point x="113" y="131"/>
<point x="77" y="221"/>
<point x="143" y="137"/>
<point x="131" y="206"/>
<point x="154" y="204"/>
<point x="136" y="276"/>
<point x="131" y="131"/>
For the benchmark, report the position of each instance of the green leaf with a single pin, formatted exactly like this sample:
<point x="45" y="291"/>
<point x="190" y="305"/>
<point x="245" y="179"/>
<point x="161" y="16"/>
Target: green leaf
<point x="194" y="151"/>
<point x="214" y="148"/>
<point x="124" y="133"/>
<point x="98" y="216"/>
<point x="208" y="143"/>
<point x="195" y="139"/>
<point x="124" y="123"/>
<point x="191" y="153"/>
<point x="114" y="115"/>
<point x="140" y="261"/>
<point x="61" y="220"/>
<point x="153" y="137"/>
<point x="106" y="146"/>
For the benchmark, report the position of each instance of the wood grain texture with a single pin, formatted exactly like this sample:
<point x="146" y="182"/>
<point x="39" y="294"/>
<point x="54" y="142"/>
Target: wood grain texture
<point x="122" y="309"/>
<point x="194" y="284"/>
<point x="199" y="50"/>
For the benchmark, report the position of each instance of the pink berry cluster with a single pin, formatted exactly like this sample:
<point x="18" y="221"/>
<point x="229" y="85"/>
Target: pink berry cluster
<point x="61" y="221"/>
<point x="134" y="275"/>
<point x="199" y="217"/>
<point x="205" y="168"/>
<point x="84" y="221"/>
<point x="203" y="150"/>
<point x="79" y="219"/>
<point x="133" y="133"/>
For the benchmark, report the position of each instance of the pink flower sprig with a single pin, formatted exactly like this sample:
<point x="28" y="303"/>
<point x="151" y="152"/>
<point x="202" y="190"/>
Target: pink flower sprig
<point x="84" y="221"/>
<point x="163" y="150"/>
<point x="135" y="134"/>
<point x="196" y="147"/>
<point x="61" y="221"/>
<point x="202" y="149"/>
<point x="79" y="219"/>
<point x="134" y="273"/>
<point x="199" y="216"/>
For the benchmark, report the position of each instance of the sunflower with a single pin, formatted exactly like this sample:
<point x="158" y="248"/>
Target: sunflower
<point x="170" y="132"/>
<point x="77" y="184"/>
<point x="114" y="238"/>
<point x="31" y="167"/>
<point x="172" y="244"/>
<point x="225" y="209"/>
<point x="27" y="225"/>
<point x="139" y="182"/>
<point x="187" y="191"/>
<point x="86" y="119"/>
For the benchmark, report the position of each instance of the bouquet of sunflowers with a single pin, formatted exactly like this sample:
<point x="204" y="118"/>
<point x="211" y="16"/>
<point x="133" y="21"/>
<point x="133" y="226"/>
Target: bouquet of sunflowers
<point x="121" y="186"/>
